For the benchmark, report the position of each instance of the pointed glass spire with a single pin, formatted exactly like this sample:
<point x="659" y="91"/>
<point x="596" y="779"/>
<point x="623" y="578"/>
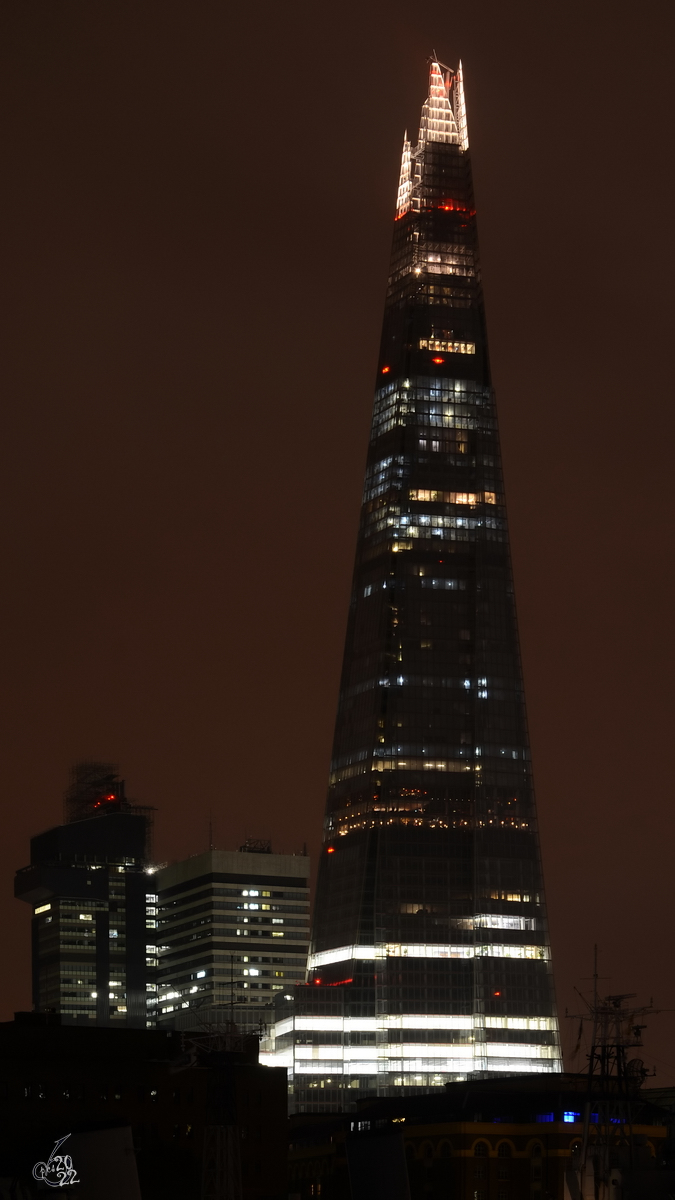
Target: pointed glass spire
<point x="405" y="184"/>
<point x="438" y="120"/>
<point x="460" y="108"/>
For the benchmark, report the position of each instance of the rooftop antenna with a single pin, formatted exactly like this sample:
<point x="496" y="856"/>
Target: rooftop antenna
<point x="449" y="73"/>
<point x="444" y="66"/>
<point x="614" y="1081"/>
<point x="211" y="845"/>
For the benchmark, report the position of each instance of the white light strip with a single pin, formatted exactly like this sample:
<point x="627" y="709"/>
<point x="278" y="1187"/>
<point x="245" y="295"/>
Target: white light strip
<point x="550" y="1023"/>
<point x="505" y="1050"/>
<point x="431" y="950"/>
<point x="525" y="1066"/>
<point x="412" y="1021"/>
<point x="437" y="1050"/>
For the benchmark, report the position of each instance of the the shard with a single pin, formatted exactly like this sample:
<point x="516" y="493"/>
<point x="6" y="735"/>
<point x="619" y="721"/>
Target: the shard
<point x="430" y="956"/>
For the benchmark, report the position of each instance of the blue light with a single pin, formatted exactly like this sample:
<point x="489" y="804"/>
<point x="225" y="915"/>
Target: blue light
<point x="543" y="1117"/>
<point x="571" y="1117"/>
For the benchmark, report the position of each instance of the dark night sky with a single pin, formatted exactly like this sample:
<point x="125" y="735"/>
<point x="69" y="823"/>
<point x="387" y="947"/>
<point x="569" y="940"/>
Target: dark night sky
<point x="196" y="216"/>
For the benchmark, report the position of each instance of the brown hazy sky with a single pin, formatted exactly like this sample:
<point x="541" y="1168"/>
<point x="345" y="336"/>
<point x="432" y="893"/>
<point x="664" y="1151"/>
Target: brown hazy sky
<point x="196" y="211"/>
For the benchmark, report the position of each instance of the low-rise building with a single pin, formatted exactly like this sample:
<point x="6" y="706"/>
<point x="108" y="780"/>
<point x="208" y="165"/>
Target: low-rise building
<point x="203" y="1119"/>
<point x="508" y="1139"/>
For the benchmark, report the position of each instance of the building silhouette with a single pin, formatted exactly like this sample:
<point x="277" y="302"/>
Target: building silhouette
<point x="94" y="953"/>
<point x="430" y="957"/>
<point x="234" y="931"/>
<point x="147" y="1112"/>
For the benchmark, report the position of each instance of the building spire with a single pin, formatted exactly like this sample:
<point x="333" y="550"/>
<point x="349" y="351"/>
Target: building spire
<point x="438" y="122"/>
<point x="405" y="183"/>
<point x="460" y="108"/>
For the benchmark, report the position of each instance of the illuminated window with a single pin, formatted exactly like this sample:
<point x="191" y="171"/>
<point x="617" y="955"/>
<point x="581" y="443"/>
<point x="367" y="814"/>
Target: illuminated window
<point x="430" y="497"/>
<point x="456" y="260"/>
<point x="447" y="347"/>
<point x="448" y="585"/>
<point x="41" y="909"/>
<point x="86" y="917"/>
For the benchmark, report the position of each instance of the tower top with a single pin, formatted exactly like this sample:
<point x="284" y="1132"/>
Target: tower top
<point x="444" y="110"/>
<point x="443" y="120"/>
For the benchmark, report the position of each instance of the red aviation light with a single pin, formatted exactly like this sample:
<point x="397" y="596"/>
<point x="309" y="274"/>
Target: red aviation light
<point x="330" y="850"/>
<point x="496" y="993"/>
<point x="438" y="360"/>
<point x="104" y="800"/>
<point x="386" y="370"/>
<point x="451" y="206"/>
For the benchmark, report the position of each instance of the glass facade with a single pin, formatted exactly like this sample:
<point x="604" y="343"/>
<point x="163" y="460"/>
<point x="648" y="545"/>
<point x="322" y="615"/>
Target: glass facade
<point x="430" y="955"/>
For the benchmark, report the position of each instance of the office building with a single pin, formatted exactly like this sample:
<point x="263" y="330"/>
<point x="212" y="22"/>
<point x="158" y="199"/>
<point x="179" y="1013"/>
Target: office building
<point x="234" y="931"/>
<point x="94" y="906"/>
<point x="430" y="958"/>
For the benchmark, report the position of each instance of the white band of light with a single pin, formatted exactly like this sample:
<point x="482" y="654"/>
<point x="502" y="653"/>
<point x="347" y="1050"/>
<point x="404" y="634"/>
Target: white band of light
<point x="432" y="950"/>
<point x="411" y="1021"/>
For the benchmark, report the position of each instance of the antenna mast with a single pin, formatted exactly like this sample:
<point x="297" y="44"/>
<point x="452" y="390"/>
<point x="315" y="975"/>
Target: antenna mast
<point x="614" y="1080"/>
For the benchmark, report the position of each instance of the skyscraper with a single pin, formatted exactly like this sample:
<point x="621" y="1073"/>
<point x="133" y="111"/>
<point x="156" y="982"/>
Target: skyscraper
<point x="94" y="906"/>
<point x="430" y="955"/>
